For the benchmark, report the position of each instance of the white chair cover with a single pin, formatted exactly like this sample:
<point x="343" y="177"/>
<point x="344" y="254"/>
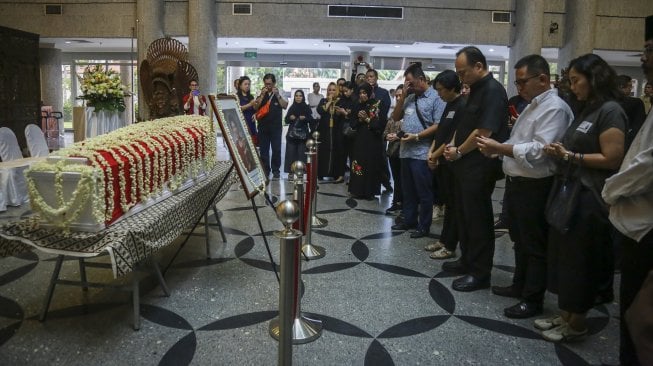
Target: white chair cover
<point x="36" y="141"/>
<point x="9" y="149"/>
<point x="12" y="181"/>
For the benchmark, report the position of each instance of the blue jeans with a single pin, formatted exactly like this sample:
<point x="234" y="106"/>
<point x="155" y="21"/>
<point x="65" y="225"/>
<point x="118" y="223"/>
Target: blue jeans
<point x="416" y="182"/>
<point x="270" y="137"/>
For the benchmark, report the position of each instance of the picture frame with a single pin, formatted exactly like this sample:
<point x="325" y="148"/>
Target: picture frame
<point x="235" y="132"/>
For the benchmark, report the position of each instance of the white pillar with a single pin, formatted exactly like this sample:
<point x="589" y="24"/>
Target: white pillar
<point x="149" y="27"/>
<point x="203" y="42"/>
<point x="51" y="78"/>
<point x="580" y="25"/>
<point x="529" y="20"/>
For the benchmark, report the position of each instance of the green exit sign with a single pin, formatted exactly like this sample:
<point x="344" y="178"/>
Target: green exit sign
<point x="250" y="54"/>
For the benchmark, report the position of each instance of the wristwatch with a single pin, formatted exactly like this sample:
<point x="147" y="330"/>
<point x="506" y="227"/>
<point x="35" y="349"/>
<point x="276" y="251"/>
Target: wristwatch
<point x="417" y="137"/>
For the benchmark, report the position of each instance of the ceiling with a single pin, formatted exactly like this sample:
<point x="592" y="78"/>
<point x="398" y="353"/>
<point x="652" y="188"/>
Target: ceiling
<point x="315" y="47"/>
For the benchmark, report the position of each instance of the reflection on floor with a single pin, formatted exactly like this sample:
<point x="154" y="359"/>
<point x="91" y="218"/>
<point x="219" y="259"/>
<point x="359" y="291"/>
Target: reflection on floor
<point x="382" y="300"/>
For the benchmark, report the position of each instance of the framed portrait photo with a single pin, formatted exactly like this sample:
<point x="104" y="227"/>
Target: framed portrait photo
<point x="239" y="142"/>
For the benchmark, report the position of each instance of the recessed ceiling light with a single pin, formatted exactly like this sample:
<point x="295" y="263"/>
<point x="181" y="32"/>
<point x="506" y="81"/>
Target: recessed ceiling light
<point x="315" y="44"/>
<point x="397" y="46"/>
<point x="68" y="42"/>
<point x="236" y="43"/>
<point x="491" y="50"/>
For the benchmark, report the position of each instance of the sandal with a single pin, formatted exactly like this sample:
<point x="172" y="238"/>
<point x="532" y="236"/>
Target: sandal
<point x="434" y="246"/>
<point x="443" y="253"/>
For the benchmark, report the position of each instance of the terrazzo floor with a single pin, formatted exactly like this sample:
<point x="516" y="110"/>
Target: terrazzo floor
<point x="383" y="301"/>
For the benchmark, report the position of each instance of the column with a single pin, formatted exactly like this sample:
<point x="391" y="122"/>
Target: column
<point x="203" y="42"/>
<point x="51" y="79"/>
<point x="580" y="24"/>
<point x="529" y="20"/>
<point x="126" y="79"/>
<point x="149" y="27"/>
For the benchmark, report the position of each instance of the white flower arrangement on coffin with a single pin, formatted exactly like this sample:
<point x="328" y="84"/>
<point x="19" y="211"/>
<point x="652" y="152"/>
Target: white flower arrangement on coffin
<point x="102" y="89"/>
<point x="183" y="144"/>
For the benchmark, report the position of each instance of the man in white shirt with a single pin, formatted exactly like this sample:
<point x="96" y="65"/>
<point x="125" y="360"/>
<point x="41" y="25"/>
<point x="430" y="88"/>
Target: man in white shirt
<point x="314" y="99"/>
<point x="529" y="176"/>
<point x="630" y="196"/>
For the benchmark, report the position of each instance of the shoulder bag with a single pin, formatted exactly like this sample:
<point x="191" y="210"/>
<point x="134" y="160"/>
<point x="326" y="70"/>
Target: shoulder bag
<point x="563" y="200"/>
<point x="263" y="110"/>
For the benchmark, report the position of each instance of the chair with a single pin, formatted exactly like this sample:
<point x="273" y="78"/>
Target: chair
<point x="36" y="141"/>
<point x="12" y="181"/>
<point x="9" y="149"/>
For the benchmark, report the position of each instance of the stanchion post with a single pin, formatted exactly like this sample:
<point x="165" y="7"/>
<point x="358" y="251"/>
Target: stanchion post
<point x="291" y="327"/>
<point x="311" y="251"/>
<point x="315" y="220"/>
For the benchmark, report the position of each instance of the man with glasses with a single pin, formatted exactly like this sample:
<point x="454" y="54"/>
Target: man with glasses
<point x="270" y="127"/>
<point x="630" y="196"/>
<point x="485" y="114"/>
<point x="529" y="177"/>
<point x="194" y="102"/>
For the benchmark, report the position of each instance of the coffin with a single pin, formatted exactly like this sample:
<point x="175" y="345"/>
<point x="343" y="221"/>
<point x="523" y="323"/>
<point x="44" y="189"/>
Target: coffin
<point x="99" y="181"/>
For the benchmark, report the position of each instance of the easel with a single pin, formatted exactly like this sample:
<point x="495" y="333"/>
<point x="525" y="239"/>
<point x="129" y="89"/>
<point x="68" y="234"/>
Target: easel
<point x="231" y="131"/>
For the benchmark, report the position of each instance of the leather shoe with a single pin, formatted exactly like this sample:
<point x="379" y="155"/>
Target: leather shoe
<point x="456" y="267"/>
<point x="402" y="227"/>
<point x="418" y="234"/>
<point x="507" y="291"/>
<point x="470" y="283"/>
<point x="523" y="310"/>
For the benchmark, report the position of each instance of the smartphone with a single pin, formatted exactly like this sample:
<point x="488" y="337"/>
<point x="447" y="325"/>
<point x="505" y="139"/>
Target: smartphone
<point x="401" y="134"/>
<point x="513" y="111"/>
<point x="196" y="92"/>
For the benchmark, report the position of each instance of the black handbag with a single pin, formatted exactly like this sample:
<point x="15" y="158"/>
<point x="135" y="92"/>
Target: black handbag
<point x="297" y="131"/>
<point x="562" y="202"/>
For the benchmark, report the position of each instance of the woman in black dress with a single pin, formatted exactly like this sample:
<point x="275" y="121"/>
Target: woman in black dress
<point x="331" y="148"/>
<point x="247" y="105"/>
<point x="345" y="109"/>
<point x="299" y="119"/>
<point x="580" y="262"/>
<point x="368" y="150"/>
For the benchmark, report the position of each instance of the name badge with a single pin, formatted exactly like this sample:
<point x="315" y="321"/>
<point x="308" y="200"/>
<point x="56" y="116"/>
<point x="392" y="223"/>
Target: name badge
<point x="451" y="114"/>
<point x="409" y="111"/>
<point x="584" y="126"/>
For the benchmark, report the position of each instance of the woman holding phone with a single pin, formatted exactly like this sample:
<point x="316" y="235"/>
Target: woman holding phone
<point x="194" y="102"/>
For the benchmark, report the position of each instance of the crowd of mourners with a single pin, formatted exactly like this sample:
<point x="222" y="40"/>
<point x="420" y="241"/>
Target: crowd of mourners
<point x="576" y="154"/>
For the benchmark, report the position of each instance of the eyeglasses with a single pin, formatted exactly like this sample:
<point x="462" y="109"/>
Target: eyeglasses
<point x="522" y="82"/>
<point x="194" y="84"/>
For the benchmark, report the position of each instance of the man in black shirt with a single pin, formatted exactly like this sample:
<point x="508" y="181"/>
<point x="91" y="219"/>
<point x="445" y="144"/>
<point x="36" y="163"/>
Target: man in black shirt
<point x="269" y="133"/>
<point x="486" y="114"/>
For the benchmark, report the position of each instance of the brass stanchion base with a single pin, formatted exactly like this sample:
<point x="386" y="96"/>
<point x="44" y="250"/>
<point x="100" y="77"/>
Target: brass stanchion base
<point x="319" y="222"/>
<point x="313" y="251"/>
<point x="304" y="330"/>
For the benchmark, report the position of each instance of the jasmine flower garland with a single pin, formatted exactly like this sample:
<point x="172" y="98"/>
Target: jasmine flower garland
<point x="187" y="142"/>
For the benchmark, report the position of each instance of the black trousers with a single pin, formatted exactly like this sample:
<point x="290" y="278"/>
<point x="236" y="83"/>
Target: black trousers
<point x="269" y="137"/>
<point x="446" y="183"/>
<point x="525" y="202"/>
<point x="636" y="262"/>
<point x="474" y="183"/>
<point x="577" y="258"/>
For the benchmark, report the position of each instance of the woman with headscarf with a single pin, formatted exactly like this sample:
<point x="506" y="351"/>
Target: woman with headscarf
<point x="299" y="119"/>
<point x="331" y="148"/>
<point x="367" y="155"/>
<point x="580" y="262"/>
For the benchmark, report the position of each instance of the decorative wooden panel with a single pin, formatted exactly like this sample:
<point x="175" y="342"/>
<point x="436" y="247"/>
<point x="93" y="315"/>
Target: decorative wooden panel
<point x="20" y="87"/>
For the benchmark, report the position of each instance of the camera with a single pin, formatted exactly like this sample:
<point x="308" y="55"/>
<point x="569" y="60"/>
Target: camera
<point x="401" y="134"/>
<point x="196" y="92"/>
